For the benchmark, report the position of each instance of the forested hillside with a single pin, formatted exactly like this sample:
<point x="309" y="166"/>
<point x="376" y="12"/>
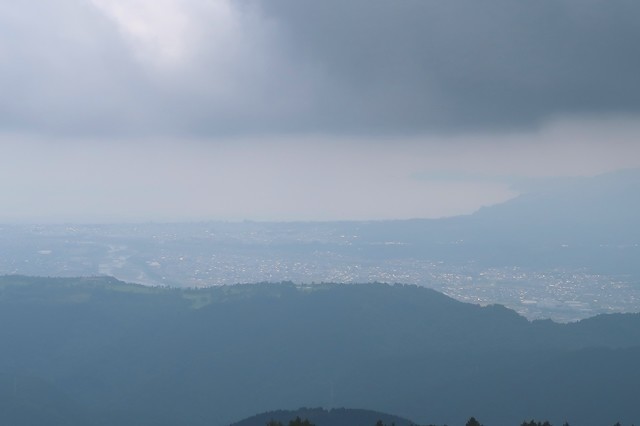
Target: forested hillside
<point x="98" y="351"/>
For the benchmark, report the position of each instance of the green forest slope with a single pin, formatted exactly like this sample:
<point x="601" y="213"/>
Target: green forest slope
<point x="97" y="351"/>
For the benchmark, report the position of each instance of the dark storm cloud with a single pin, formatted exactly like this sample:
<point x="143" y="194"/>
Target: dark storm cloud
<point x="423" y="65"/>
<point x="220" y="68"/>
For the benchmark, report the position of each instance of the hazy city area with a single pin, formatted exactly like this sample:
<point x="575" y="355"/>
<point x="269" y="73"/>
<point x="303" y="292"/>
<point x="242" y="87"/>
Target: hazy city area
<point x="218" y="253"/>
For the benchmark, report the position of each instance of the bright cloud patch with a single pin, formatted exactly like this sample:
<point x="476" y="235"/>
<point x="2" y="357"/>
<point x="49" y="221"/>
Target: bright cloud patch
<point x="169" y="32"/>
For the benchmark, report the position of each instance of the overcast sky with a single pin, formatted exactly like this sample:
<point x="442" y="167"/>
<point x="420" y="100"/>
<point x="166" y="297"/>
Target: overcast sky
<point x="137" y="110"/>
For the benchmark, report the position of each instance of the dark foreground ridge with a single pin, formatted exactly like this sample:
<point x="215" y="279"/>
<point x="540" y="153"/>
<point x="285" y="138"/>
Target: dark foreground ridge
<point x="96" y="351"/>
<point x="323" y="417"/>
<point x="349" y="417"/>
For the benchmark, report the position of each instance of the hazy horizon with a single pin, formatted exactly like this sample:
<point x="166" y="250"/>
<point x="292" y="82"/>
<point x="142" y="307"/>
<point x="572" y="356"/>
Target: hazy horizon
<point x="141" y="110"/>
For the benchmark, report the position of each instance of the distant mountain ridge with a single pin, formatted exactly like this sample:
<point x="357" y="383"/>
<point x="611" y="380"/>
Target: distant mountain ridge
<point x="602" y="208"/>
<point x="586" y="222"/>
<point x="134" y="355"/>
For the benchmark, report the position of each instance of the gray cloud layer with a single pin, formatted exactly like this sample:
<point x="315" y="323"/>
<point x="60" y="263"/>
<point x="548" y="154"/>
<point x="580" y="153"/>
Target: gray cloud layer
<point x="216" y="68"/>
<point x="450" y="64"/>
